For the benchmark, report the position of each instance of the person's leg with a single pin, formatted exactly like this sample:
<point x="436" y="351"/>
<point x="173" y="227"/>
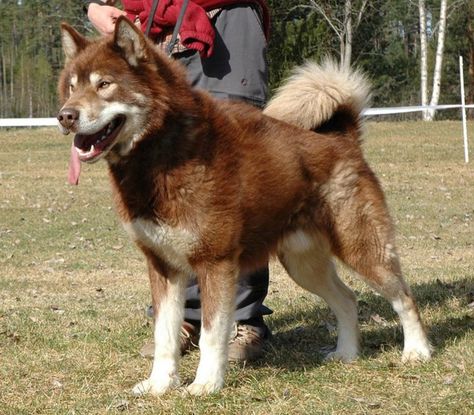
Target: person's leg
<point x="237" y="70"/>
<point x="252" y="290"/>
<point x="250" y="331"/>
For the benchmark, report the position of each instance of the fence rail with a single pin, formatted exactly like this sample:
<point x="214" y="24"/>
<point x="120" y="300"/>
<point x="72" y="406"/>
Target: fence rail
<point x="368" y="112"/>
<point x="28" y="122"/>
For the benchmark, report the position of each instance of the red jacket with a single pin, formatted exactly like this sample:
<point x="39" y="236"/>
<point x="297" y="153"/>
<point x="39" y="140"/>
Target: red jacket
<point x="196" y="31"/>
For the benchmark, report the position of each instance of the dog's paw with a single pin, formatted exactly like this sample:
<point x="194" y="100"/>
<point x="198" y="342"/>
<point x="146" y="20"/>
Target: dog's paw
<point x="344" y="356"/>
<point x="155" y="387"/>
<point x="199" y="389"/>
<point x="341" y="354"/>
<point x="142" y="388"/>
<point x="421" y="353"/>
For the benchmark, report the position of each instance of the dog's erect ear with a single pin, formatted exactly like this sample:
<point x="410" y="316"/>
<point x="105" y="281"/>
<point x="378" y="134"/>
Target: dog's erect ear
<point x="73" y="42"/>
<point x="130" y="40"/>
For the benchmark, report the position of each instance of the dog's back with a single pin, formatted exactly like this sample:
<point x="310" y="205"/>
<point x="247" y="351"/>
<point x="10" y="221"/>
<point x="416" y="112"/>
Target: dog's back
<point x="294" y="167"/>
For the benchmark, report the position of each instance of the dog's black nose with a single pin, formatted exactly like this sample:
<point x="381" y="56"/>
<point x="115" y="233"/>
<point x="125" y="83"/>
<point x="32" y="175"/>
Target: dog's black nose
<point x="68" y="116"/>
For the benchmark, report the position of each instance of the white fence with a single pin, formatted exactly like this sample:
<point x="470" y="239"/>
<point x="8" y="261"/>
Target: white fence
<point x="44" y="122"/>
<point x="28" y="122"/>
<point x="368" y="112"/>
<point x="403" y="110"/>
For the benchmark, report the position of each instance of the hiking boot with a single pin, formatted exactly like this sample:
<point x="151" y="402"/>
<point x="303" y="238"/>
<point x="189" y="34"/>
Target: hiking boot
<point x="246" y="343"/>
<point x="248" y="340"/>
<point x="188" y="338"/>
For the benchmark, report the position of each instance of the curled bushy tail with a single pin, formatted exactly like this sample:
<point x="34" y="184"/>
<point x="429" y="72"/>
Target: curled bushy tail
<point x="322" y="97"/>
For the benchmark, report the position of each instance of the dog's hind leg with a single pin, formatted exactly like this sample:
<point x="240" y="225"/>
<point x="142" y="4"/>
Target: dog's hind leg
<point x="308" y="260"/>
<point x="382" y="271"/>
<point x="362" y="237"/>
<point x="168" y="296"/>
<point x="384" y="275"/>
<point x="217" y="283"/>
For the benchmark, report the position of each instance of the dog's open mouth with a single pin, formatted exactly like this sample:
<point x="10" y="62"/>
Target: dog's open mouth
<point x="91" y="147"/>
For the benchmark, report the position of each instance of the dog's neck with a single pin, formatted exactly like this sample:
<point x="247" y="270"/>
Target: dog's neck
<point x="160" y="166"/>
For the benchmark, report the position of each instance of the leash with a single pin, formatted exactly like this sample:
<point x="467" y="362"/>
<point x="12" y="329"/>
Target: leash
<point x="154" y="6"/>
<point x="177" y="26"/>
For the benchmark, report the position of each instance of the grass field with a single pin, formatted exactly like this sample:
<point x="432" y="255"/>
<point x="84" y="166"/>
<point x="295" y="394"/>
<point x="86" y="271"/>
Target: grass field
<point x="73" y="290"/>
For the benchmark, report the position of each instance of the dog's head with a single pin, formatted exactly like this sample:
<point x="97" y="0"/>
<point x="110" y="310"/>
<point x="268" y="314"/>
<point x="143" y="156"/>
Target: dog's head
<point x="112" y="90"/>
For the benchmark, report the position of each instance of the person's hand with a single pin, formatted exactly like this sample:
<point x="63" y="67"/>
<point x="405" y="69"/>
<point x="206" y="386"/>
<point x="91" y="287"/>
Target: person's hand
<point x="103" y="18"/>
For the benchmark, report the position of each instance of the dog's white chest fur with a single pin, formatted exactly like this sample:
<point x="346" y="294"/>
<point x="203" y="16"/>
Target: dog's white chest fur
<point x="172" y="244"/>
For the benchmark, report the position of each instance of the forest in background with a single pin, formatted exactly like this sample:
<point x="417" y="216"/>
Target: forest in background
<point x="380" y="37"/>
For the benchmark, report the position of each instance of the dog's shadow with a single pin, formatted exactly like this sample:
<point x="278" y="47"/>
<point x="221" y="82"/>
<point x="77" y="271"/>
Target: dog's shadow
<point x="308" y="343"/>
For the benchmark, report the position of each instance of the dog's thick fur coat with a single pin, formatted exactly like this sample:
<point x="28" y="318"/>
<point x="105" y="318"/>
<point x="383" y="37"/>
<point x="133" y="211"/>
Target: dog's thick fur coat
<point x="212" y="188"/>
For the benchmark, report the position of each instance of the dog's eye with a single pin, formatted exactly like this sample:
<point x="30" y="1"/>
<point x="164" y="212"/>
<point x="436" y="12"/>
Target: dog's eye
<point x="71" y="88"/>
<point x="103" y="84"/>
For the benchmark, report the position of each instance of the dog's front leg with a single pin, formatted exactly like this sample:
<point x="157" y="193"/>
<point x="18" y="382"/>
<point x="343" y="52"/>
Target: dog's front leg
<point x="217" y="283"/>
<point x="168" y="294"/>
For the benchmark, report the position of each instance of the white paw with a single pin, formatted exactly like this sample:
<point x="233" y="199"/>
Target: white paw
<point x="199" y="389"/>
<point x="155" y="387"/>
<point x="421" y="353"/>
<point x="345" y="355"/>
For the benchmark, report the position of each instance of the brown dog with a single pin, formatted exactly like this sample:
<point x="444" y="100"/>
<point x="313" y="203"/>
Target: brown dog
<point x="210" y="188"/>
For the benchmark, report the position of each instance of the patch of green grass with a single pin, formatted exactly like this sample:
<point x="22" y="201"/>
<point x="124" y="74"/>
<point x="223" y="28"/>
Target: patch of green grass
<point x="73" y="291"/>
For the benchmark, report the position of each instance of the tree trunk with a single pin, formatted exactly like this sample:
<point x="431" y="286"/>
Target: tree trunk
<point x="439" y="60"/>
<point x="30" y="104"/>
<point x="4" y="109"/>
<point x="470" y="58"/>
<point x="346" y="56"/>
<point x="423" y="58"/>
<point x="12" y="59"/>
<point x="21" y="98"/>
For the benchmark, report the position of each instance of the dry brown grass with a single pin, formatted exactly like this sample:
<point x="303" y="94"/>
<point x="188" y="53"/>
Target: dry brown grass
<point x="73" y="291"/>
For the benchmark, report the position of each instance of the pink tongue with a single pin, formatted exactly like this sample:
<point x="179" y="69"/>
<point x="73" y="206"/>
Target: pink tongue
<point x="74" y="166"/>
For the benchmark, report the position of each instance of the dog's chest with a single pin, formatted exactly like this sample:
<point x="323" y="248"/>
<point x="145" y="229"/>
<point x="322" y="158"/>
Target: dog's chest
<point x="172" y="244"/>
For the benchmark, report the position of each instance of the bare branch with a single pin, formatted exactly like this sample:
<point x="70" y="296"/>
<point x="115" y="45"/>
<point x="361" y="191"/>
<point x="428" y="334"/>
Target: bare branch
<point x="361" y="13"/>
<point x="338" y="30"/>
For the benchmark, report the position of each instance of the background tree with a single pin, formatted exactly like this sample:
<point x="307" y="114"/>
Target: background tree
<point x="423" y="57"/>
<point x="435" y="93"/>
<point x="460" y="41"/>
<point x="30" y="54"/>
<point x="381" y="37"/>
<point x="296" y="36"/>
<point x="456" y="43"/>
<point x="469" y="25"/>
<point x="343" y="18"/>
